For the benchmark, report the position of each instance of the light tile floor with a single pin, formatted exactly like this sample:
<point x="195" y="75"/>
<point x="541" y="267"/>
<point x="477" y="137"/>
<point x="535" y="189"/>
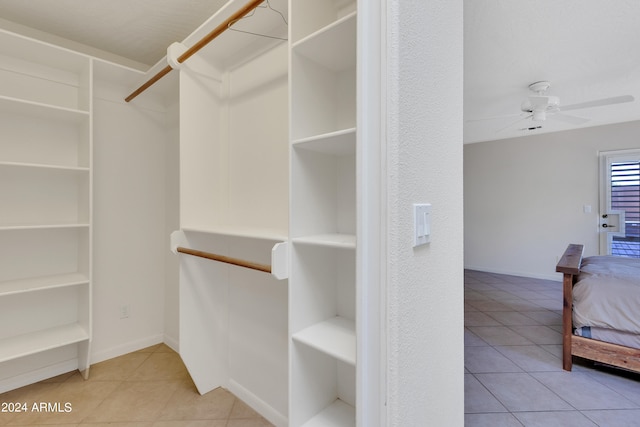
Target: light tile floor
<point x="513" y="366"/>
<point x="147" y="388"/>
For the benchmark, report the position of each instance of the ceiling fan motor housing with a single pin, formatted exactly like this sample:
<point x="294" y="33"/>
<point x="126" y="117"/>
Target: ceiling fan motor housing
<point x="540" y="105"/>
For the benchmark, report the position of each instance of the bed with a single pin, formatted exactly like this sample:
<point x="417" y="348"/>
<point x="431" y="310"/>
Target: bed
<point x="601" y="309"/>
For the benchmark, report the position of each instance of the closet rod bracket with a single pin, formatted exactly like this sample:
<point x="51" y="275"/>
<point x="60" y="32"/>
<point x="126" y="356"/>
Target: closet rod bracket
<point x="174" y="51"/>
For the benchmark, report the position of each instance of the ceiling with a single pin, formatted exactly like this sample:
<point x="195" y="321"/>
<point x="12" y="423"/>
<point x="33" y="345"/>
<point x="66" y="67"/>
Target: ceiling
<point x="139" y="30"/>
<point x="586" y="49"/>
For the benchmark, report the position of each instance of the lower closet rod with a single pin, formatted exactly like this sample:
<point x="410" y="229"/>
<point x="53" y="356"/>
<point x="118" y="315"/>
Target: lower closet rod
<point x="198" y="45"/>
<point x="226" y="259"/>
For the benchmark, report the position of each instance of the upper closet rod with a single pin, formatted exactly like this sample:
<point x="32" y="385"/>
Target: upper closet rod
<point x="197" y="46"/>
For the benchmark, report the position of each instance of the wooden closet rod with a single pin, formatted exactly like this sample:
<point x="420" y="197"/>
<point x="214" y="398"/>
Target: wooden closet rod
<point x="197" y="46"/>
<point x="226" y="259"/>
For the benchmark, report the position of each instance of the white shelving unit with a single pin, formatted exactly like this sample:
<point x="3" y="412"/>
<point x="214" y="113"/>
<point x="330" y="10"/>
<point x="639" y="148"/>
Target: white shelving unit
<point x="322" y="281"/>
<point x="234" y="203"/>
<point x="45" y="218"/>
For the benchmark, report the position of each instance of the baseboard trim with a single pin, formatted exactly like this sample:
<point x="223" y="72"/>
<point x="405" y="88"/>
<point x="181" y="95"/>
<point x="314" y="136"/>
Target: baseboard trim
<point x="37" y="375"/>
<point x="259" y="405"/>
<point x="172" y="343"/>
<point x="552" y="276"/>
<point x="125" y="348"/>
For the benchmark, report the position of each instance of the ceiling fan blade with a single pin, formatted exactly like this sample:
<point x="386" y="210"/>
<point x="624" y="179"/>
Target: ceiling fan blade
<point x="568" y="119"/>
<point x="512" y="124"/>
<point x="598" y="103"/>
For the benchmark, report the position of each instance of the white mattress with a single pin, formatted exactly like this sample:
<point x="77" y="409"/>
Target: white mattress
<point x="607" y="294"/>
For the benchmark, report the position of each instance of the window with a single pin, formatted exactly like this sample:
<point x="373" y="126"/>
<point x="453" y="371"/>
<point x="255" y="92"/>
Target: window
<point x="625" y="196"/>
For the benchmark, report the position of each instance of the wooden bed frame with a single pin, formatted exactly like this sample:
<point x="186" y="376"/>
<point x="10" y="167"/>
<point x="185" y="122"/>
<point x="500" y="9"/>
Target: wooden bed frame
<point x="587" y="348"/>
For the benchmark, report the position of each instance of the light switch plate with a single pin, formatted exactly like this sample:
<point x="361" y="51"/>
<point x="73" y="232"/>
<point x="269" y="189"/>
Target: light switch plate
<point x="421" y="223"/>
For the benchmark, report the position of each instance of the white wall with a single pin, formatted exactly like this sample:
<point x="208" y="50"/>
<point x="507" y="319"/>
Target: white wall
<point x="425" y="284"/>
<point x="130" y="242"/>
<point x="524" y="197"/>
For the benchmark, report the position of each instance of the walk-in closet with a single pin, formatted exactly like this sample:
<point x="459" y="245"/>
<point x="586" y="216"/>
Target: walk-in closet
<point x="263" y="115"/>
<point x="229" y="201"/>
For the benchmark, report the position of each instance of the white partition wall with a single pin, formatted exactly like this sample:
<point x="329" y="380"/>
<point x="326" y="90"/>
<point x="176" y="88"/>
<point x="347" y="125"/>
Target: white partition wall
<point x="234" y="193"/>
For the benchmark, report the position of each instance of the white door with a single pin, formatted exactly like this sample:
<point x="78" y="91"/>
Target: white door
<point x="620" y="203"/>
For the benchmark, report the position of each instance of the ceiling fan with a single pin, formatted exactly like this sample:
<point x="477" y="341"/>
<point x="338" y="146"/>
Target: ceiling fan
<point x="537" y="106"/>
<point x="540" y="106"/>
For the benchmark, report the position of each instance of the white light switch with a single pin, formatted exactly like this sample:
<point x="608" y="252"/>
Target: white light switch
<point x="422" y="223"/>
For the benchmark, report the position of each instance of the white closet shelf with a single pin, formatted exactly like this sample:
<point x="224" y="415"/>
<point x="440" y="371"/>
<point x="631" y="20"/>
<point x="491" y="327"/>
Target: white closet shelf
<point x="344" y="241"/>
<point x="41" y="54"/>
<point x="338" y="414"/>
<point x="339" y="143"/>
<point x="45" y="111"/>
<point x="333" y="46"/>
<point x="239" y="231"/>
<point x="43" y="340"/>
<point x="73" y="169"/>
<point x="42" y="226"/>
<point x="335" y="337"/>
<point x="33" y="284"/>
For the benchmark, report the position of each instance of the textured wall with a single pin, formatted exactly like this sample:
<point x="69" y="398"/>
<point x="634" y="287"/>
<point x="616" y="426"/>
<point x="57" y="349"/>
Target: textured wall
<point x="425" y="284"/>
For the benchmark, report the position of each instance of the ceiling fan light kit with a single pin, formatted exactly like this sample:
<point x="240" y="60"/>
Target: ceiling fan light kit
<point x="538" y="106"/>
